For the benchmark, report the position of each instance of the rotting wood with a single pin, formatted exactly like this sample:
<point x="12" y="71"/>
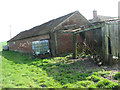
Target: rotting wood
<point x="82" y="30"/>
<point x="103" y="41"/>
<point x="52" y="44"/>
<point x="105" y="36"/>
<point x="90" y="28"/>
<point x="110" y="42"/>
<point x="106" y="45"/>
<point x="113" y="34"/>
<point x="74" y="46"/>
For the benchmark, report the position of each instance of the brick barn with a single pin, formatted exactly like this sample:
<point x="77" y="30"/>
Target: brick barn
<point x="45" y="39"/>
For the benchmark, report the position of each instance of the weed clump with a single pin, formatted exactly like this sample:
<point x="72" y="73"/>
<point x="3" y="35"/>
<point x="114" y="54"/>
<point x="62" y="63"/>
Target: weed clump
<point x="93" y="78"/>
<point x="117" y="76"/>
<point x="84" y="84"/>
<point x="105" y="83"/>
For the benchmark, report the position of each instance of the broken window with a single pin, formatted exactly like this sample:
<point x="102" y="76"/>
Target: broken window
<point x="40" y="47"/>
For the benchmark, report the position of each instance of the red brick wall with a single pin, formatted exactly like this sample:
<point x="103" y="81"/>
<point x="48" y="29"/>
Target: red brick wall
<point x="25" y="45"/>
<point x="65" y="42"/>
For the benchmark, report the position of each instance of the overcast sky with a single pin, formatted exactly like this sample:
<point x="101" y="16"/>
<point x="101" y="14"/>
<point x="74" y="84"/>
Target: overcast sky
<point x="25" y="14"/>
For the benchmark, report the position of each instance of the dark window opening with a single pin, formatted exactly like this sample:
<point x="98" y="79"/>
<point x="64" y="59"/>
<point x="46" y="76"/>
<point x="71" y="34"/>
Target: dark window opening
<point x="109" y="46"/>
<point x="82" y="34"/>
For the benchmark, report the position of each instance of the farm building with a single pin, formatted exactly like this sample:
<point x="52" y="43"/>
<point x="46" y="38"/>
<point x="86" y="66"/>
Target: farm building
<point x="99" y="18"/>
<point x="71" y="33"/>
<point x="44" y="38"/>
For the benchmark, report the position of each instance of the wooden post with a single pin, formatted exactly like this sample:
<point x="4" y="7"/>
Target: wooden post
<point x="105" y="43"/>
<point x="56" y="52"/>
<point x="119" y="37"/>
<point x="52" y="44"/>
<point x="74" y="46"/>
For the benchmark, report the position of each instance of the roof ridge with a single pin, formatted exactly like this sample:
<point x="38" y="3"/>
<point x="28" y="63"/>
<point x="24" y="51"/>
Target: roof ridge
<point x="65" y="19"/>
<point x="34" y="29"/>
<point x="53" y="19"/>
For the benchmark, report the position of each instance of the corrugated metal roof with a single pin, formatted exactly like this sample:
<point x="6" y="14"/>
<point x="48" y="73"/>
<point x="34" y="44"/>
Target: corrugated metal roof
<point x="102" y="18"/>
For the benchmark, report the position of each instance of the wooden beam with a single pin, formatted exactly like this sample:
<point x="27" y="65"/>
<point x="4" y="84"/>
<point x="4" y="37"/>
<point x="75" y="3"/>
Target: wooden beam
<point x="56" y="52"/>
<point x="83" y="30"/>
<point x="74" y="46"/>
<point x="52" y="44"/>
<point x="90" y="28"/>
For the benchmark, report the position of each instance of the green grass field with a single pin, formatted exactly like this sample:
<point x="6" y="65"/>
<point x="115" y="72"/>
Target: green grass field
<point x="1" y="44"/>
<point x="20" y="71"/>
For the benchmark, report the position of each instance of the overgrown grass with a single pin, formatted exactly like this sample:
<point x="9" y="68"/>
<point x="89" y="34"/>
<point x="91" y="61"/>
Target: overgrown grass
<point x="19" y="71"/>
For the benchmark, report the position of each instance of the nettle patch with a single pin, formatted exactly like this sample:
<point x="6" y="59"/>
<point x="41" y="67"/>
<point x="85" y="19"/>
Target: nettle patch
<point x="59" y="72"/>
